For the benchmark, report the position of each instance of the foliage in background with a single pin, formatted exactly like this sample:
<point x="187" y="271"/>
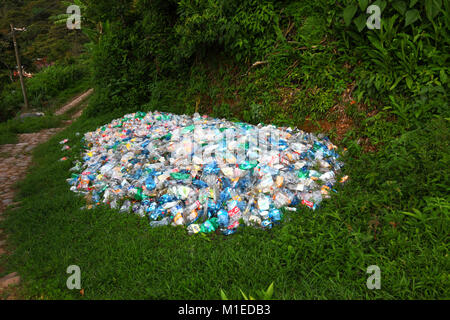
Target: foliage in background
<point x="403" y="67"/>
<point x="42" y="87"/>
<point x="42" y="39"/>
<point x="407" y="60"/>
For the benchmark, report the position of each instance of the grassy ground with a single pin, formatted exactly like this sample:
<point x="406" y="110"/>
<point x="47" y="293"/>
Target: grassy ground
<point x="11" y="128"/>
<point x="376" y="219"/>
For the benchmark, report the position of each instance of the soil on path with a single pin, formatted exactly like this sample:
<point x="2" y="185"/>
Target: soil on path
<point x="14" y="162"/>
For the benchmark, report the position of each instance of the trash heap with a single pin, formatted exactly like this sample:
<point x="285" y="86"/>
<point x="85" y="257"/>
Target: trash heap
<point x="206" y="174"/>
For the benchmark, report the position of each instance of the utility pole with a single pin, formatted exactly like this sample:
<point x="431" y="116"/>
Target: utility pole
<point x="19" y="65"/>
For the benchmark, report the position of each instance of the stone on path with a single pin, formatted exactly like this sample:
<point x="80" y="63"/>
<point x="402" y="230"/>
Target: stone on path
<point x="9" y="280"/>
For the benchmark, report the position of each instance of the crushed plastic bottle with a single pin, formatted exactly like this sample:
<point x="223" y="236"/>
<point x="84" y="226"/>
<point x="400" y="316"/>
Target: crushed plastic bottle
<point x="206" y="174"/>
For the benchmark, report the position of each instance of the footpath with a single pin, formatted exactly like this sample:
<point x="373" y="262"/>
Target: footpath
<point x="15" y="160"/>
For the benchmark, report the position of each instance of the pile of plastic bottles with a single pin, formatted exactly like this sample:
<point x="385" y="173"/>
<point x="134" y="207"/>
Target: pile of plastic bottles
<point x="206" y="174"/>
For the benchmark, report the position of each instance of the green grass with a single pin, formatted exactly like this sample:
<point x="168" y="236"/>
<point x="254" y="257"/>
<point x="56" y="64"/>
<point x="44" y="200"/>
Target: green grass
<point x="319" y="254"/>
<point x="11" y="128"/>
<point x="67" y="95"/>
<point x="7" y="137"/>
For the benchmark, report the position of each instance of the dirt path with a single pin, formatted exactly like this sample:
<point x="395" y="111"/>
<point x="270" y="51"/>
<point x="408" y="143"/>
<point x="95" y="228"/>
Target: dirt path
<point x="14" y="162"/>
<point x="74" y="102"/>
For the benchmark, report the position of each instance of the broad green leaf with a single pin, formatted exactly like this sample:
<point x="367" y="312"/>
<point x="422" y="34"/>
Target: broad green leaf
<point x="349" y="13"/>
<point x="438" y="4"/>
<point x="443" y="76"/>
<point x="429" y="9"/>
<point x="400" y="6"/>
<point x="363" y="4"/>
<point x="411" y="16"/>
<point x="409" y="214"/>
<point x="396" y="83"/>
<point x="382" y="4"/>
<point x="412" y="3"/>
<point x="417" y="214"/>
<point x="360" y="22"/>
<point x="432" y="8"/>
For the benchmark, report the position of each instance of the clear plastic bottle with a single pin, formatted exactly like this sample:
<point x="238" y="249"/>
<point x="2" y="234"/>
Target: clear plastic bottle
<point x="161" y="223"/>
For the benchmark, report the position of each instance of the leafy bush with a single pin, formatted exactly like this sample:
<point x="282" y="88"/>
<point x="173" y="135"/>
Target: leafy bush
<point x="407" y="59"/>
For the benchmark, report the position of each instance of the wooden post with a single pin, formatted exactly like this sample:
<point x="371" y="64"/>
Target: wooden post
<point x="19" y="66"/>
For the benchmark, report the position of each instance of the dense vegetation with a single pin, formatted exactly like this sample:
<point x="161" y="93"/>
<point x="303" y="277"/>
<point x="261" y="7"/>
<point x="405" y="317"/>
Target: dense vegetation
<point x="44" y="86"/>
<point x="382" y="94"/>
<point x="42" y="39"/>
<point x="148" y="48"/>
